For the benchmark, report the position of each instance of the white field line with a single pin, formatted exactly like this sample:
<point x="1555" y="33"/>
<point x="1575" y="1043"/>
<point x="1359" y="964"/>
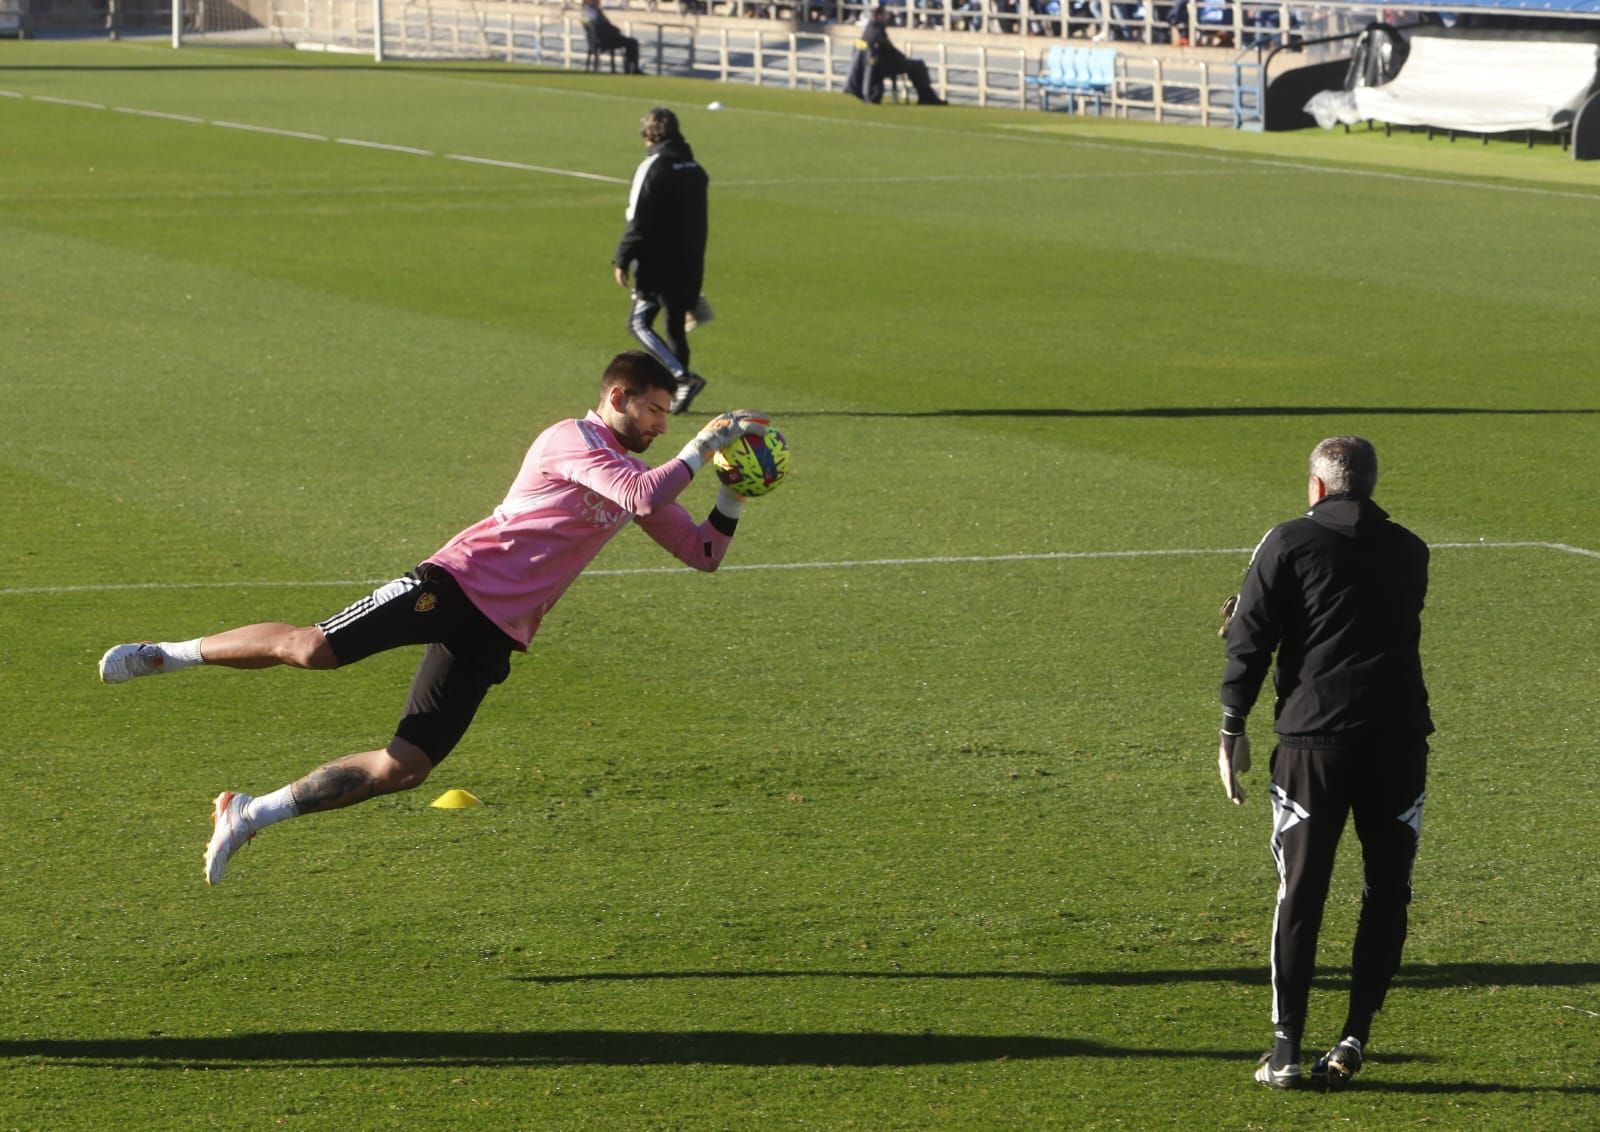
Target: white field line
<point x="190" y="118"/>
<point x="536" y="168"/>
<point x="836" y="564"/>
<point x="970" y="178"/>
<point x="302" y="135"/>
<point x="385" y="146"/>
<point x="68" y="102"/>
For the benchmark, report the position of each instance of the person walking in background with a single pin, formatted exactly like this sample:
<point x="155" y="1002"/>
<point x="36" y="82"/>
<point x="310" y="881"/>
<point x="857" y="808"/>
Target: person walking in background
<point x="663" y="247"/>
<point x="606" y="36"/>
<point x="479" y="598"/>
<point x="1338" y="594"/>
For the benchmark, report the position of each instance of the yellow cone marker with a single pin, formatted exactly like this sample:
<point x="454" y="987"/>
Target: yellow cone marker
<point x="456" y="800"/>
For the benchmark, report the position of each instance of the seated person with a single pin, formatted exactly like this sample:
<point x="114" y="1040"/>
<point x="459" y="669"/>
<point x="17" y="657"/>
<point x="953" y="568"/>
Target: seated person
<point x="605" y="36"/>
<point x="877" y="59"/>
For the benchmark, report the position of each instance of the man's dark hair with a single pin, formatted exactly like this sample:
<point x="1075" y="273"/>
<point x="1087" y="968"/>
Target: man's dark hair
<point x="1346" y="465"/>
<point x="658" y="125"/>
<point x="637" y="371"/>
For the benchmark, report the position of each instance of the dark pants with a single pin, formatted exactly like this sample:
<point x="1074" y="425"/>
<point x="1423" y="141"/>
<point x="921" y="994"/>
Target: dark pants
<point x="1314" y="791"/>
<point x="673" y="352"/>
<point x="917" y="71"/>
<point x="630" y="53"/>
<point x="612" y="40"/>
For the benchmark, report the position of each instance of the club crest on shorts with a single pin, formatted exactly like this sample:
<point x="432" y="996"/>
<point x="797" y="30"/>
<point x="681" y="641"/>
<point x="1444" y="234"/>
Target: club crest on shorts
<point x="425" y="602"/>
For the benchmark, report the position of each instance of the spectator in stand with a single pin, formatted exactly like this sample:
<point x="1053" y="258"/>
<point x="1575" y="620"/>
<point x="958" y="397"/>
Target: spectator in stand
<point x="606" y="36"/>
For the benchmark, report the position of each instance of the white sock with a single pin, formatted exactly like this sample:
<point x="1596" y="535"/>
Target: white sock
<point x="269" y="809"/>
<point x="180" y="654"/>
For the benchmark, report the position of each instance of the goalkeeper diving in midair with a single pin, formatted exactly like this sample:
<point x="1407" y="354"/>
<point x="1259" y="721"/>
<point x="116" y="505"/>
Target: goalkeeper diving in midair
<point x="479" y="597"/>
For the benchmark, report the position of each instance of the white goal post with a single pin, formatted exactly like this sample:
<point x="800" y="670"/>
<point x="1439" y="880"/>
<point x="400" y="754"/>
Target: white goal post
<point x="318" y="25"/>
<point x="501" y="30"/>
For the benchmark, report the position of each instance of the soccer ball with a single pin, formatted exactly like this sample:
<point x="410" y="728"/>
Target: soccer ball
<point x="753" y="465"/>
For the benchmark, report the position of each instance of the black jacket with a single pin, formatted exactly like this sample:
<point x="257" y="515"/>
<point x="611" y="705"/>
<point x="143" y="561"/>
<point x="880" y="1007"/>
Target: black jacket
<point x="666" y="232"/>
<point x="1338" y="593"/>
<point x="603" y="33"/>
<point x="886" y="56"/>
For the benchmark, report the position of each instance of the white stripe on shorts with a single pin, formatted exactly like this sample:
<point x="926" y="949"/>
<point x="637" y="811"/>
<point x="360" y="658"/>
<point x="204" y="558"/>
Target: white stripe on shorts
<point x="358" y="609"/>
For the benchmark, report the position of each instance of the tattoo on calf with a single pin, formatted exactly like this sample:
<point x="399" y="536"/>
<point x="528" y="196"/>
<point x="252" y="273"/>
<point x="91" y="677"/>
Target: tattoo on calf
<point x="332" y="786"/>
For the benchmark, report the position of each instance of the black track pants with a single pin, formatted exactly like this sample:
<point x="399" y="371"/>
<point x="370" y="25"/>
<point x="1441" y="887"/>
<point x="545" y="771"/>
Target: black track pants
<point x="673" y="352"/>
<point x="1314" y="790"/>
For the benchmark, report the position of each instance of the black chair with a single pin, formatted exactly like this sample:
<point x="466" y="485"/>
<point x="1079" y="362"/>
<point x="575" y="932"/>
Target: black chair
<point x="591" y="61"/>
<point x="866" y="79"/>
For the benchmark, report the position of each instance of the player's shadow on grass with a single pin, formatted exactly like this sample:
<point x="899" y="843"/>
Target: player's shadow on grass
<point x="532" y="1049"/>
<point x="1433" y="975"/>
<point x="352" y="1048"/>
<point x="1180" y="412"/>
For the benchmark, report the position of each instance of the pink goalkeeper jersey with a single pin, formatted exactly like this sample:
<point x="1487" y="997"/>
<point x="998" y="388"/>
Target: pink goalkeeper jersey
<point x="577" y="488"/>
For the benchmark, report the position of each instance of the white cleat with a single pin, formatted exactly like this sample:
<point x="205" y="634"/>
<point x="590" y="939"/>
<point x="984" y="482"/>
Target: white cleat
<point x="123" y="662"/>
<point x="229" y="832"/>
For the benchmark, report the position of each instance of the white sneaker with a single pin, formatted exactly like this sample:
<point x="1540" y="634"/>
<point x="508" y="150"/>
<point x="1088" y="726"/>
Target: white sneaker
<point x="229" y="832"/>
<point x="123" y="662"/>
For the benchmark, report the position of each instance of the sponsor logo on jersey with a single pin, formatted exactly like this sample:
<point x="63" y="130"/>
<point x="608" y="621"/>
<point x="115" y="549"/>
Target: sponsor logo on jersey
<point x="598" y="510"/>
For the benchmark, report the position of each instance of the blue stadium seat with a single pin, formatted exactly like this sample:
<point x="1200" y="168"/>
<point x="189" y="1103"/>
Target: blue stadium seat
<point x="1079" y="73"/>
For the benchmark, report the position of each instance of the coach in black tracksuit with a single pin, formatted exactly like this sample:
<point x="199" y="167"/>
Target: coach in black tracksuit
<point x="877" y="60"/>
<point x="1338" y="594"/>
<point x="664" y="244"/>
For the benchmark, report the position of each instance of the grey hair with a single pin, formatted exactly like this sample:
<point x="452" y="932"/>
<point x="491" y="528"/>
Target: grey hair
<point x="659" y="125"/>
<point x="1346" y="465"/>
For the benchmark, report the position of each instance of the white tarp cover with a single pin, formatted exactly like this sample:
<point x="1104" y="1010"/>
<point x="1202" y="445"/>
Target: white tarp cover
<point x="1488" y="85"/>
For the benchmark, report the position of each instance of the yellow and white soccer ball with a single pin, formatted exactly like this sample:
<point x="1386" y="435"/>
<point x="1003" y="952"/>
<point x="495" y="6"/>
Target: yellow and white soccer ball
<point x="753" y="465"/>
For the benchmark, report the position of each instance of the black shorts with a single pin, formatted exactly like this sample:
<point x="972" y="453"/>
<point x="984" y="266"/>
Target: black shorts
<point x="466" y="654"/>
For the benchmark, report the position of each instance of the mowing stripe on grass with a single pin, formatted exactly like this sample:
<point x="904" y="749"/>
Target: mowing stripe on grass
<point x="836" y="564"/>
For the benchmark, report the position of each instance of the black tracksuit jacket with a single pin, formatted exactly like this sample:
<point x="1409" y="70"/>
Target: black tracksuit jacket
<point x="666" y="232"/>
<point x="1338" y="593"/>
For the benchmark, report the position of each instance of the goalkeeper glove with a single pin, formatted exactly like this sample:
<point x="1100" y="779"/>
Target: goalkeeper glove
<point x="1233" y="759"/>
<point x="720" y="433"/>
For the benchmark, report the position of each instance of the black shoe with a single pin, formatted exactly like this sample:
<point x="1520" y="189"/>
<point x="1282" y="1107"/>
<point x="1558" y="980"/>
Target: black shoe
<point x="1334" y="1069"/>
<point x="688" y="389"/>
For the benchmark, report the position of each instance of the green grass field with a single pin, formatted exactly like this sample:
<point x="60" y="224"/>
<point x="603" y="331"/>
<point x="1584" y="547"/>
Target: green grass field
<point x="907" y="818"/>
